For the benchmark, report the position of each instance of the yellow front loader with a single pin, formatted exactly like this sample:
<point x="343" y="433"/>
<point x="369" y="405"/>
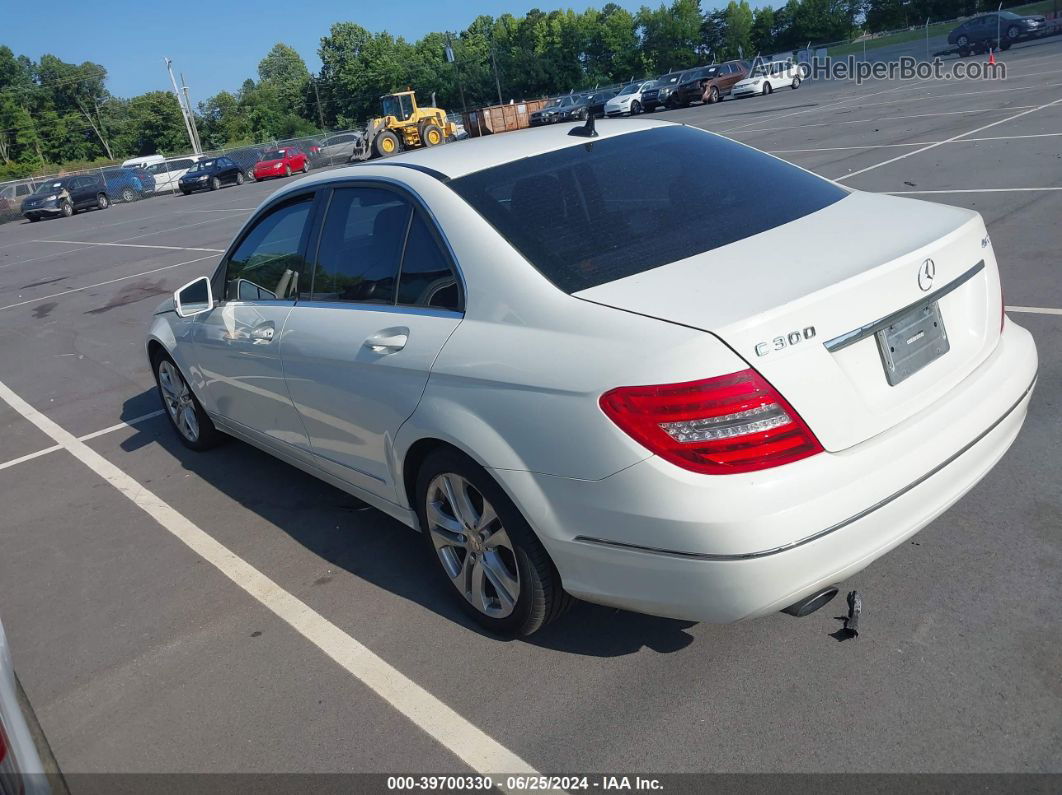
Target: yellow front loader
<point x="403" y="125"/>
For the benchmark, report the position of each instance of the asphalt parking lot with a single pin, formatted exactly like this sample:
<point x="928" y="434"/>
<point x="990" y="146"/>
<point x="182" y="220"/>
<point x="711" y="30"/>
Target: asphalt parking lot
<point x="314" y="638"/>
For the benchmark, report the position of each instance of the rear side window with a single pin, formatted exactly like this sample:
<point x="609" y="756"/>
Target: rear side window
<point x="361" y="245"/>
<point x="268" y="263"/>
<point x="598" y="211"/>
<point x="427" y="279"/>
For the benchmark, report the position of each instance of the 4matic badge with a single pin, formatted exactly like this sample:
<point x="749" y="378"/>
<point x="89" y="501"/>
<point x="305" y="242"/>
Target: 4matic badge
<point x="785" y="341"/>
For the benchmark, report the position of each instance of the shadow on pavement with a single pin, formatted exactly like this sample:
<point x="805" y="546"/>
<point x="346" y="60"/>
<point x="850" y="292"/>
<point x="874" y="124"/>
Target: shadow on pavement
<point x="351" y="535"/>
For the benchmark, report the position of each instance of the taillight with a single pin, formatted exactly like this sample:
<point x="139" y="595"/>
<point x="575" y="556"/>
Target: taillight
<point x="717" y="426"/>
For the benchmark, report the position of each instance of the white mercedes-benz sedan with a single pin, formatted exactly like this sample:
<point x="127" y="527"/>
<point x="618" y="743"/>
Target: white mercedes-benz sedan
<point x="644" y="387"/>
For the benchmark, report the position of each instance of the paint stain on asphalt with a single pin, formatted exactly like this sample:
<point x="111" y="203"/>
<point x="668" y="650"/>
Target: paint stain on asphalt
<point x="131" y="294"/>
<point x="44" y="310"/>
<point x="256" y="634"/>
<point x="322" y="581"/>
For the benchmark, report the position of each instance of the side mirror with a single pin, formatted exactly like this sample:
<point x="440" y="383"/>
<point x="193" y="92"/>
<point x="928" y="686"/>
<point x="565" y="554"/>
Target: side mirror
<point x="194" y="298"/>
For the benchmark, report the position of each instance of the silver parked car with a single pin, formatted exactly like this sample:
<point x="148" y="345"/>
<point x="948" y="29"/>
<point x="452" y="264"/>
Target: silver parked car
<point x="21" y="772"/>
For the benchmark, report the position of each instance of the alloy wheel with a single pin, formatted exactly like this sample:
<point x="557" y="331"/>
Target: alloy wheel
<point x="472" y="544"/>
<point x="179" y="401"/>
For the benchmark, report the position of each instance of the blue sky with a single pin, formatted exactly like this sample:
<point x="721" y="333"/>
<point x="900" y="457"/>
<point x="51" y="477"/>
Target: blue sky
<point x="218" y="44"/>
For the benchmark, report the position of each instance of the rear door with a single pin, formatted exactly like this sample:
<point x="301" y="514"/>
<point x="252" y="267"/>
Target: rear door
<point x="357" y="354"/>
<point x="83" y="192"/>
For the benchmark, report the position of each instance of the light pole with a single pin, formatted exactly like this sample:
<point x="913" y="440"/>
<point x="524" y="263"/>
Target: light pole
<point x="184" y="114"/>
<point x="999" y="21"/>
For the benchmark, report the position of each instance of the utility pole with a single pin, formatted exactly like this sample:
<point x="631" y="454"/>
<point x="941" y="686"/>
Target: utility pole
<point x="184" y="113"/>
<point x="320" y="115"/>
<point x="452" y="58"/>
<point x="191" y="117"/>
<point x="497" y="82"/>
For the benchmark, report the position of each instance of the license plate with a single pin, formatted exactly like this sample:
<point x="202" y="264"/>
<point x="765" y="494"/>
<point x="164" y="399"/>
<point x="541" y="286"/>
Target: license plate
<point x="911" y="341"/>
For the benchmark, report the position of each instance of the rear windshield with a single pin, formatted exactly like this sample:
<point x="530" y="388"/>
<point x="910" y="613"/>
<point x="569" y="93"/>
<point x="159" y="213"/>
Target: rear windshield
<point x="599" y="211"/>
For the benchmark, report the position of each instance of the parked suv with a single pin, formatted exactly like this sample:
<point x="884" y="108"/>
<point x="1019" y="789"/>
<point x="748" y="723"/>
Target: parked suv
<point x="722" y="78"/>
<point x="659" y="94"/>
<point x="65" y="196"/>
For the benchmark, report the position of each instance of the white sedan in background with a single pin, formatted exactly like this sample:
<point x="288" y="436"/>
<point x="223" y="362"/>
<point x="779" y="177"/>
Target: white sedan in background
<point x="628" y="101"/>
<point x="713" y="424"/>
<point x="168" y="173"/>
<point x="766" y="78"/>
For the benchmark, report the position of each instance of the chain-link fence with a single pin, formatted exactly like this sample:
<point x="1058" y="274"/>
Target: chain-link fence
<point x="142" y="178"/>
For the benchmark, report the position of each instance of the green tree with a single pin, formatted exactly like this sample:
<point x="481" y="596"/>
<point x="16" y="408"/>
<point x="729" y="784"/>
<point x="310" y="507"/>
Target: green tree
<point x="285" y="72"/>
<point x="737" y="36"/>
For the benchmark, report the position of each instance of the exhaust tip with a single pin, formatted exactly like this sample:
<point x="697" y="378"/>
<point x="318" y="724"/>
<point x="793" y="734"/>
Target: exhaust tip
<point x="809" y="604"/>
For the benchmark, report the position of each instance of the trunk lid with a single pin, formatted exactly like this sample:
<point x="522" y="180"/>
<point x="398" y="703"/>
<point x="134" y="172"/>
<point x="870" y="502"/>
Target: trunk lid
<point x="820" y="279"/>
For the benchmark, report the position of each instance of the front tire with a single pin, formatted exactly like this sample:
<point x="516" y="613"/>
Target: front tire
<point x="484" y="548"/>
<point x="713" y="95"/>
<point x="767" y="89"/>
<point x="215" y="183"/>
<point x="186" y="414"/>
<point x="287" y="171"/>
<point x="963" y="42"/>
<point x="636" y="108"/>
<point x="67" y="209"/>
<point x="795" y="84"/>
<point x="385" y="144"/>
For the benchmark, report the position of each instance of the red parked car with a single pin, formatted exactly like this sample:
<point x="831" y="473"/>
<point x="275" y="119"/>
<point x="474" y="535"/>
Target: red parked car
<point x="281" y="162"/>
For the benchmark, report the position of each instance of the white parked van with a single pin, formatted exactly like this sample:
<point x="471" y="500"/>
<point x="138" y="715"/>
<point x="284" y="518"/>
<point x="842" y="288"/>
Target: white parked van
<point x="168" y="172"/>
<point x="143" y="161"/>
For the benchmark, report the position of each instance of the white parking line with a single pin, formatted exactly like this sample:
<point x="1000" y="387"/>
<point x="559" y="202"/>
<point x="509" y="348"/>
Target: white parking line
<point x="132" y="245"/>
<point x="94" y="435"/>
<point x="1035" y="310"/>
<point x="889" y="118"/>
<point x="102" y="284"/>
<point x="915" y="143"/>
<point x="949" y="140"/>
<point x="474" y="747"/>
<point x="967" y="190"/>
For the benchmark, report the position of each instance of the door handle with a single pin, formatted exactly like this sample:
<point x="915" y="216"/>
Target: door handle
<point x="390" y="340"/>
<point x="263" y="334"/>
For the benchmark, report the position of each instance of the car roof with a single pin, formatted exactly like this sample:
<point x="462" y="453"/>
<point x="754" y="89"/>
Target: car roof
<point x="459" y="158"/>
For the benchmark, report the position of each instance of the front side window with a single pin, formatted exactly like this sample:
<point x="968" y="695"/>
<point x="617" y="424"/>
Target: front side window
<point x="268" y="264"/>
<point x="361" y="245"/>
<point x="583" y="217"/>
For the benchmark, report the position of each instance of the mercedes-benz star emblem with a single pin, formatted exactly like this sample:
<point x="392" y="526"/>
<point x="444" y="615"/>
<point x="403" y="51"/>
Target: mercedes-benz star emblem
<point x="926" y="272"/>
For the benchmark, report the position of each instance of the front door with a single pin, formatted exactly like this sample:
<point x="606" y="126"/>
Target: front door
<point x="237" y="344"/>
<point x="357" y="355"/>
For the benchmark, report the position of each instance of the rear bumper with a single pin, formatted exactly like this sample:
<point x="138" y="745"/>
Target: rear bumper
<point x="657" y="539"/>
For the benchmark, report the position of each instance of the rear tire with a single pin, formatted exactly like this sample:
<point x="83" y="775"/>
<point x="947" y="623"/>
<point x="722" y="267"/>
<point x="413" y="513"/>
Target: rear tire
<point x="485" y="549"/>
<point x="239" y="177"/>
<point x="33" y="218"/>
<point x="128" y="195"/>
<point x="102" y="202"/>
<point x="187" y="417"/>
<point x="431" y="135"/>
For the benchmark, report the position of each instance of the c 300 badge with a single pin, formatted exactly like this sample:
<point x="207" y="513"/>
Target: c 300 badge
<point x="785" y="341"/>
